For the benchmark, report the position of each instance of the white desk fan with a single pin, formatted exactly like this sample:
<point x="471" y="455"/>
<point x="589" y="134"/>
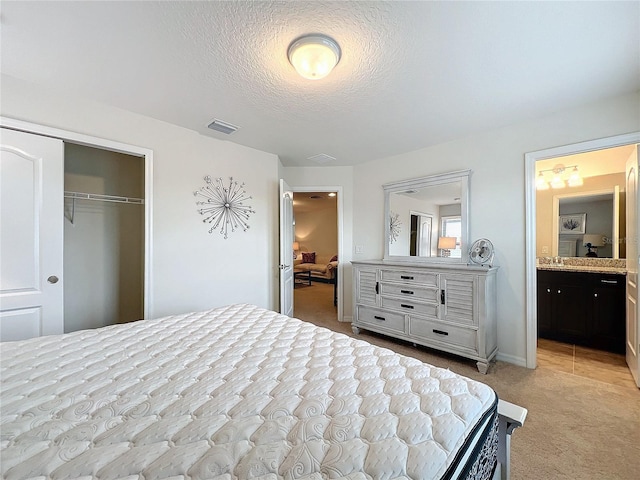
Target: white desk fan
<point x="481" y="252"/>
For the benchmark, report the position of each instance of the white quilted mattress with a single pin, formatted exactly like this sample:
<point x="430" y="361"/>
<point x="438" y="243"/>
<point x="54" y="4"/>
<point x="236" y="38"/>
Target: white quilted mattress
<point x="234" y="393"/>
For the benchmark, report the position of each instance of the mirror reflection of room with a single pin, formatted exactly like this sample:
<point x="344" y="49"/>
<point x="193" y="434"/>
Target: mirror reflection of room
<point x="426" y="222"/>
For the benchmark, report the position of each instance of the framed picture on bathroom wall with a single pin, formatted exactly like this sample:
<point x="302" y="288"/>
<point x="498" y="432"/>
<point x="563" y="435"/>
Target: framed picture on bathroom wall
<point x="572" y="224"/>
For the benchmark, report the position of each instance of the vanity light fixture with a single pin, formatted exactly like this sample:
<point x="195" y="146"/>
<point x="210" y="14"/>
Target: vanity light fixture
<point x="541" y="183"/>
<point x="557" y="180"/>
<point x="314" y="56"/>
<point x="575" y="180"/>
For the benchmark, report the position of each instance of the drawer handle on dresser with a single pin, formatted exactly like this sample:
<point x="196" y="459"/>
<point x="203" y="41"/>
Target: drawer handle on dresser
<point x="440" y="332"/>
<point x="615" y="282"/>
<point x="408" y="292"/>
<point x="404" y="305"/>
<point x="442" y="297"/>
<point x="379" y="318"/>
<point x="406" y="277"/>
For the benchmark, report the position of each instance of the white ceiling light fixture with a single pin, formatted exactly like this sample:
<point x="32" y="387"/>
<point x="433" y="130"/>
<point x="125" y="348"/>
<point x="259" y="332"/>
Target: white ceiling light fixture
<point x="314" y="56"/>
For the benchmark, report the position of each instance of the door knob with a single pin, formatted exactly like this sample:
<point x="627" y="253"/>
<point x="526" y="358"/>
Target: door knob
<point x="52" y="279"/>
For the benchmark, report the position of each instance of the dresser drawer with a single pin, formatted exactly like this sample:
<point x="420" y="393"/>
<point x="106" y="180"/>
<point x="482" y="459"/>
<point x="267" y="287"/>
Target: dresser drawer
<point x="458" y="336"/>
<point x="413" y="308"/>
<point x="409" y="277"/>
<point x="411" y="292"/>
<point x="381" y="319"/>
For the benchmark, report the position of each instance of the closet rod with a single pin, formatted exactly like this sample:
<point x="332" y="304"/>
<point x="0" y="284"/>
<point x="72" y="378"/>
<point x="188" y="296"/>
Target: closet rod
<point x="98" y="197"/>
<point x="103" y="198"/>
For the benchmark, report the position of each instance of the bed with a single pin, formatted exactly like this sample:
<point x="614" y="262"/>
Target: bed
<point x="239" y="392"/>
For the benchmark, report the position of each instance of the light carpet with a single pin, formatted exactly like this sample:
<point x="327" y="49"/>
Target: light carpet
<point x="576" y="428"/>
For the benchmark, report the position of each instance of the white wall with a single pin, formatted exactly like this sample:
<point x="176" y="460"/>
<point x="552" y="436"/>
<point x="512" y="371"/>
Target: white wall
<point x="191" y="269"/>
<point x="497" y="193"/>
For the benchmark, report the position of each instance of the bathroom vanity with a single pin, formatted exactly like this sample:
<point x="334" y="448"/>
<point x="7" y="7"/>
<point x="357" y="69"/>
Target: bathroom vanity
<point x="582" y="305"/>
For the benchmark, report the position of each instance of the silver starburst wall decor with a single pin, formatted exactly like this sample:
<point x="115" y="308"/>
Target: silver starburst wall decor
<point x="223" y="206"/>
<point x="394" y="226"/>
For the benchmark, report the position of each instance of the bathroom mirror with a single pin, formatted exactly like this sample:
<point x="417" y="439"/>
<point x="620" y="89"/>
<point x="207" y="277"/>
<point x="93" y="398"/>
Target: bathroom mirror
<point x="426" y="219"/>
<point x="601" y="215"/>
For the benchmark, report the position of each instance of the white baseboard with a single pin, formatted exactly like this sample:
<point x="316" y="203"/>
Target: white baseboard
<point x="347" y="319"/>
<point x="519" y="361"/>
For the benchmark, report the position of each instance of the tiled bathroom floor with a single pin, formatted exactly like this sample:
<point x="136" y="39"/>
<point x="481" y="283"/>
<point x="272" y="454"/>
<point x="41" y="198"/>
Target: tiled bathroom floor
<point x="585" y="362"/>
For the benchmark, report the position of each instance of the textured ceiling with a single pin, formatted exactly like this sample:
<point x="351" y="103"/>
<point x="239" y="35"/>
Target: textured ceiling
<point x="412" y="74"/>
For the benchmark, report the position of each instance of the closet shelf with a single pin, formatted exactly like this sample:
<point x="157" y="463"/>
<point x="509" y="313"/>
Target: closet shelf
<point x="102" y="198"/>
<point x="97" y="197"/>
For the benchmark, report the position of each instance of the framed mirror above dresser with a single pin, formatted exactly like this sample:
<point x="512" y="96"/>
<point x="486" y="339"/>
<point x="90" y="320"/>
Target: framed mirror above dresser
<point x="427" y="219"/>
<point x="423" y="290"/>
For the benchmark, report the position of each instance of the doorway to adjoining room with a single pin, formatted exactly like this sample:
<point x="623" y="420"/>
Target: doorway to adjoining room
<point x="580" y="251"/>
<point x="315" y="252"/>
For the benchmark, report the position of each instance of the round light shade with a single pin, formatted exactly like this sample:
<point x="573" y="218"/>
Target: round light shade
<point x="314" y="56"/>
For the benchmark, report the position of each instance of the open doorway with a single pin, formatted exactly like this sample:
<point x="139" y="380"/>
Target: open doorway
<point x="580" y="219"/>
<point x="316" y="256"/>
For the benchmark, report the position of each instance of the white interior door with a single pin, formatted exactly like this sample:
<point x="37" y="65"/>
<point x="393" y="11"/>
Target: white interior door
<point x="31" y="235"/>
<point x="286" y="249"/>
<point x="633" y="329"/>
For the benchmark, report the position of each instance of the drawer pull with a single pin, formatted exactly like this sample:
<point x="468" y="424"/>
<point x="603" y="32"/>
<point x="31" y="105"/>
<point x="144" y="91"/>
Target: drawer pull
<point x="615" y="282"/>
<point x="379" y="318"/>
<point x="440" y="332"/>
<point x="408" y="292"/>
<point x="406" y="277"/>
<point x="403" y="305"/>
<point x="377" y="288"/>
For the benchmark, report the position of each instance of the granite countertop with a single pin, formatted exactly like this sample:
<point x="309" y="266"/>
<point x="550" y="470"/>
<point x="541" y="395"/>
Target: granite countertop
<point x="583" y="268"/>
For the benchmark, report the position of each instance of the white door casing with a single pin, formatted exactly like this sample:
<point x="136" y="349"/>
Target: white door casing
<point x="286" y="249"/>
<point x="31" y="235"/>
<point x="632" y="213"/>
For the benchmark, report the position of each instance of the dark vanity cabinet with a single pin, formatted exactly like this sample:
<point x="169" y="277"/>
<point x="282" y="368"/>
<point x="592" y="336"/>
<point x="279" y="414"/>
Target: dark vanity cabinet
<point x="582" y="308"/>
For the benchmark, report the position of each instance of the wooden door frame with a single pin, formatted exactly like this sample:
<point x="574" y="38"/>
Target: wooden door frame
<point x="530" y="223"/>
<point x="104" y="144"/>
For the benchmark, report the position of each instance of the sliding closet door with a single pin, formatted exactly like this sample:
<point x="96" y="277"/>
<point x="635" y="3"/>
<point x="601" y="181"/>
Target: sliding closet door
<point x="31" y="293"/>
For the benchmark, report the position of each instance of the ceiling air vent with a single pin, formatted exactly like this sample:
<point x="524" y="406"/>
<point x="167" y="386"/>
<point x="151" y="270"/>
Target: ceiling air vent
<point x="223" y="127"/>
<point x="321" y="158"/>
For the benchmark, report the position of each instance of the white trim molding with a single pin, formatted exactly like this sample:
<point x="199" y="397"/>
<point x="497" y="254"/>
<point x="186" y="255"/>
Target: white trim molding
<point x="530" y="222"/>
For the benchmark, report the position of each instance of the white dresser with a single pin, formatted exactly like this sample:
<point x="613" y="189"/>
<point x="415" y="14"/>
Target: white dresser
<point x="445" y="307"/>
